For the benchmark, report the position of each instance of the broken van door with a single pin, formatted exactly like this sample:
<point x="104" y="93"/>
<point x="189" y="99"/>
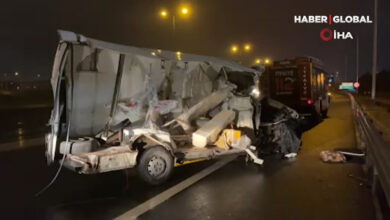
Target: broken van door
<point x="57" y="83"/>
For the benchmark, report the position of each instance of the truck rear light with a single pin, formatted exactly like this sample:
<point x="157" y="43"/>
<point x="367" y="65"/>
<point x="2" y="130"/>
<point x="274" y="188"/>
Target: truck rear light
<point x="309" y="101"/>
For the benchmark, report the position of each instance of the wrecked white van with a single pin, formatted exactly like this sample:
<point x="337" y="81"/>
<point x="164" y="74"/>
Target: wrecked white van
<point x="118" y="107"/>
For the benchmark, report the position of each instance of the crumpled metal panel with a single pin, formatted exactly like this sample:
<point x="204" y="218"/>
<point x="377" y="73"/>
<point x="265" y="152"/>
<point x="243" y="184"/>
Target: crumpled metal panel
<point x="110" y="159"/>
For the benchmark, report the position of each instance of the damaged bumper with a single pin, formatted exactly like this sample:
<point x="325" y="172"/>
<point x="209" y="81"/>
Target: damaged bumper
<point x="110" y="159"/>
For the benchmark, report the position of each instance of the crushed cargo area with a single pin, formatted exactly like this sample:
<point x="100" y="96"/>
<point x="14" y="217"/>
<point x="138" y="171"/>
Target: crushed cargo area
<point x="119" y="107"/>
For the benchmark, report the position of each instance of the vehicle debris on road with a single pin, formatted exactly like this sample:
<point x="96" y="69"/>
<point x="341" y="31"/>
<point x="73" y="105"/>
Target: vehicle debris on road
<point x="332" y="157"/>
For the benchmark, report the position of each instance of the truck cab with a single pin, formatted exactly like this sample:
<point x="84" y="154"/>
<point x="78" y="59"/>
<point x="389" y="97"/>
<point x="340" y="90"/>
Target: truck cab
<point x="299" y="83"/>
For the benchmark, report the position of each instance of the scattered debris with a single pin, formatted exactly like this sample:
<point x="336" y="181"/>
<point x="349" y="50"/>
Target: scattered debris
<point x="338" y="156"/>
<point x="332" y="157"/>
<point x="227" y="137"/>
<point x="280" y="132"/>
<point x="362" y="181"/>
<point x="290" y="155"/>
<point x="245" y="143"/>
<point x="352" y="154"/>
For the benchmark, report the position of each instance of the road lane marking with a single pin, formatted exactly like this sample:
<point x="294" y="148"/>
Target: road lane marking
<point x="162" y="197"/>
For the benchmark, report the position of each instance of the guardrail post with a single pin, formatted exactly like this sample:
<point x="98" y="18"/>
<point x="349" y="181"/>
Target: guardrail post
<point x="377" y="151"/>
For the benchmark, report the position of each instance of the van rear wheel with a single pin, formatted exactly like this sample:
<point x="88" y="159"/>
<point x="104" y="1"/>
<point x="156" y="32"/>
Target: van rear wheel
<point x="155" y="165"/>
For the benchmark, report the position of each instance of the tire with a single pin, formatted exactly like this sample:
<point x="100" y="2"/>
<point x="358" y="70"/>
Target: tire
<point x="324" y="107"/>
<point x="314" y="119"/>
<point x="155" y="165"/>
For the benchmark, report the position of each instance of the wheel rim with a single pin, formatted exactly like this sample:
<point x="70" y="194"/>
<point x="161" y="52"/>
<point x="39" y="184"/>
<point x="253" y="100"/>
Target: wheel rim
<point x="156" y="166"/>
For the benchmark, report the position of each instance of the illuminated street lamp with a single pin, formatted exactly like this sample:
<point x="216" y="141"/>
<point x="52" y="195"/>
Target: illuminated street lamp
<point x="183" y="10"/>
<point x="267" y="61"/>
<point x="247" y="47"/>
<point x="258" y="61"/>
<point x="18" y="80"/>
<point x="178" y="54"/>
<point x="234" y="49"/>
<point x="164" y="13"/>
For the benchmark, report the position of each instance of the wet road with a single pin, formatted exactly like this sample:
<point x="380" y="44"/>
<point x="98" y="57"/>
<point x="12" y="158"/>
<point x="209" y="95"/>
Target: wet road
<point x="23" y="123"/>
<point x="302" y="188"/>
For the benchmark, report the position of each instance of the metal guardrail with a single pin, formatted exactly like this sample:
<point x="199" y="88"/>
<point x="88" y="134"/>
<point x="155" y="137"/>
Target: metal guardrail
<point x="377" y="151"/>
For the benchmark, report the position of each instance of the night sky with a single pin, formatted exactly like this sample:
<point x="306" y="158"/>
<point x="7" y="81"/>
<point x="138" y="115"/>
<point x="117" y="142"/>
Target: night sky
<point x="28" y="30"/>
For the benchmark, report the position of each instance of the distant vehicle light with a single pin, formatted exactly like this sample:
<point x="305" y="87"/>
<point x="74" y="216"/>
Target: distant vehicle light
<point x="309" y="101"/>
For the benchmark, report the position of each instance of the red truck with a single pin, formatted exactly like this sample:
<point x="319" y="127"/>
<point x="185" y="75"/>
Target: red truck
<point x="300" y="83"/>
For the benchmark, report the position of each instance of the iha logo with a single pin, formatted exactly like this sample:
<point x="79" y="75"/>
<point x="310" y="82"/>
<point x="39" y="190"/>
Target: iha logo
<point x="327" y="34"/>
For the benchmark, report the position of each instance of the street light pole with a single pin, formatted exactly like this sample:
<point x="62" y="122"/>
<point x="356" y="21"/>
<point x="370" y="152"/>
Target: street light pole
<point x="374" y="50"/>
<point x="240" y="53"/>
<point x="184" y="11"/>
<point x="173" y="25"/>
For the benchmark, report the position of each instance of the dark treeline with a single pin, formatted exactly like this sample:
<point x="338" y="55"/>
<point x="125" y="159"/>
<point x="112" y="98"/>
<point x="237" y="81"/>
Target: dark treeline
<point x="382" y="83"/>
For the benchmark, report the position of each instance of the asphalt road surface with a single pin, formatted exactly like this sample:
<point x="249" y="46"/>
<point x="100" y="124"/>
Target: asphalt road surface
<point x="300" y="188"/>
<point x="18" y="124"/>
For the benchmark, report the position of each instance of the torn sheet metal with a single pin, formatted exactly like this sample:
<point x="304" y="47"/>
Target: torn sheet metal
<point x="158" y="53"/>
<point x="192" y="84"/>
<point x="93" y="92"/>
<point x="200" y="108"/>
<point x="79" y="146"/>
<point x="161" y="135"/>
<point x="244" y="108"/>
<point x="245" y="119"/>
<point x="113" y="158"/>
<point x="244" y="142"/>
<point x="95" y="68"/>
<point x="135" y="112"/>
<point x="156" y="87"/>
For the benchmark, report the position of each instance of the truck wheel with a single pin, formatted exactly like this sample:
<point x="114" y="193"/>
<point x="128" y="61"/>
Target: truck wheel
<point x="324" y="113"/>
<point x="324" y="107"/>
<point x="155" y="165"/>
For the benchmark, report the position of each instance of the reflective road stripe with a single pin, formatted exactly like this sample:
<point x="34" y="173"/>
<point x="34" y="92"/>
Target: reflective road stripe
<point x="160" y="198"/>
